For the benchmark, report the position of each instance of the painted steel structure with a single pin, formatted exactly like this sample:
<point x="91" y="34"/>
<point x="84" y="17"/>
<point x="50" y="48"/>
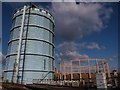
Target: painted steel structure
<point x="31" y="46"/>
<point x="83" y="68"/>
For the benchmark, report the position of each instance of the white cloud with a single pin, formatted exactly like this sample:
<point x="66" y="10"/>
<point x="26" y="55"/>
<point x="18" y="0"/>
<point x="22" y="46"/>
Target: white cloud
<point x="2" y="57"/>
<point x="75" y="55"/>
<point x="2" y="60"/>
<point x="113" y="62"/>
<point x="2" y="63"/>
<point x="77" y="20"/>
<point x="92" y="45"/>
<point x="72" y="46"/>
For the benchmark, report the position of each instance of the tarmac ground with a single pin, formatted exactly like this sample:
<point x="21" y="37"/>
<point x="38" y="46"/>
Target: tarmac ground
<point x="44" y="87"/>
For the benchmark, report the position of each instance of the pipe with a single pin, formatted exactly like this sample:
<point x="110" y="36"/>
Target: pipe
<point x="16" y="67"/>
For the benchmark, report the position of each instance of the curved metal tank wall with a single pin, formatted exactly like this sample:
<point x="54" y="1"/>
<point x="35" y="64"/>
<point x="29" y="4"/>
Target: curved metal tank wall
<point x="36" y="54"/>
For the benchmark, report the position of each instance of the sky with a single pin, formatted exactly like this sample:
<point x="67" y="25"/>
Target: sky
<point x="81" y="30"/>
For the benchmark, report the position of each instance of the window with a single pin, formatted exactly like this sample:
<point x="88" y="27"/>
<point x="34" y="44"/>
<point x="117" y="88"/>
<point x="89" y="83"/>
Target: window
<point x="44" y="64"/>
<point x="43" y="11"/>
<point x="50" y="64"/>
<point x="36" y="9"/>
<point x="17" y="11"/>
<point x="52" y="51"/>
<point x="49" y="14"/>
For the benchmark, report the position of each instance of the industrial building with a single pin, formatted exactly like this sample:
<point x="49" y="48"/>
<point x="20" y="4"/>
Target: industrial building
<point x="31" y="46"/>
<point x="84" y="71"/>
<point x="30" y="57"/>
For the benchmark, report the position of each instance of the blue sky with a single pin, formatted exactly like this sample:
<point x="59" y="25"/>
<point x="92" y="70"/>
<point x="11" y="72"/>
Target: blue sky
<point x="81" y="30"/>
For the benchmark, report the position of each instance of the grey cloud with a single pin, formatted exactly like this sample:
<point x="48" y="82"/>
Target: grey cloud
<point x="75" y="21"/>
<point x="71" y="55"/>
<point x="69" y="50"/>
<point x="67" y="46"/>
<point x="2" y="57"/>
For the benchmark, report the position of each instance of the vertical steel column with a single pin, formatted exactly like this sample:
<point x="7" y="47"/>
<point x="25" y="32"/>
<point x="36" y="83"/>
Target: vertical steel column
<point x="104" y="68"/>
<point x="71" y="69"/>
<point x="16" y="68"/>
<point x="97" y="66"/>
<point x="89" y="70"/>
<point x="64" y="70"/>
<point x="60" y="72"/>
<point x="26" y="35"/>
<point x="108" y="70"/>
<point x="80" y="70"/>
